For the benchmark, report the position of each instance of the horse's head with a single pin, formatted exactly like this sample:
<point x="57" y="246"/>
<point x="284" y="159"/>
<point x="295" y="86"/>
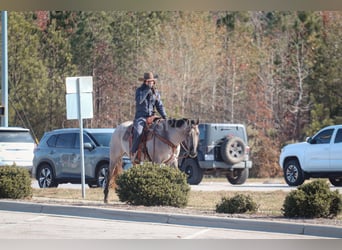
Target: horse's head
<point x="190" y="143"/>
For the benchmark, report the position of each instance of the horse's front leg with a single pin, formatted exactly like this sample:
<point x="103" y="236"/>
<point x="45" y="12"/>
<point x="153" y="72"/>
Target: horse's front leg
<point x="174" y="164"/>
<point x="175" y="157"/>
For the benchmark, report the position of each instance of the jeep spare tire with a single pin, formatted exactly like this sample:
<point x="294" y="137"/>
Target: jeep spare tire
<point x="233" y="150"/>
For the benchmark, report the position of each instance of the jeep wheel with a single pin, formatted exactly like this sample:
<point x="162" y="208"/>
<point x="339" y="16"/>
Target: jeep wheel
<point x="46" y="177"/>
<point x="293" y="173"/>
<point x="336" y="181"/>
<point x="101" y="175"/>
<point x="238" y="176"/>
<point x="233" y="150"/>
<point x="192" y="170"/>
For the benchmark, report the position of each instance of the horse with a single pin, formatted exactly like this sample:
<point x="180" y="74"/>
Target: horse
<point x="163" y="141"/>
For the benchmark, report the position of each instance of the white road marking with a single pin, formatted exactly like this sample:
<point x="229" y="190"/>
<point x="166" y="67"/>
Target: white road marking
<point x="193" y="236"/>
<point x="37" y="218"/>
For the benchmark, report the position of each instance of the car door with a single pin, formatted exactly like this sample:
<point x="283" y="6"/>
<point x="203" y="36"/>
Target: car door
<point x="336" y="152"/>
<point x="317" y="154"/>
<point x="68" y="156"/>
<point x="90" y="155"/>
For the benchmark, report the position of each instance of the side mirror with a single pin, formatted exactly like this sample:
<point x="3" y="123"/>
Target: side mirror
<point x="88" y="146"/>
<point x="311" y="140"/>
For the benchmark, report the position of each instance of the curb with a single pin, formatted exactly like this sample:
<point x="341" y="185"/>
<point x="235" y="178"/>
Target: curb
<point x="174" y="219"/>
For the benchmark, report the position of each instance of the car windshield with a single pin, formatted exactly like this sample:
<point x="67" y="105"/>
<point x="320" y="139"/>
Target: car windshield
<point x="15" y="136"/>
<point x="102" y="139"/>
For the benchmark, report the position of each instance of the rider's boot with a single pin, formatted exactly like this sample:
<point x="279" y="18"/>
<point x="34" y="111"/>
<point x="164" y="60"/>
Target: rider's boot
<point x="134" y="158"/>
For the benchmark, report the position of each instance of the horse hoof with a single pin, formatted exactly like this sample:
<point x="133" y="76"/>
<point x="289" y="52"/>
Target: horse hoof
<point x="105" y="201"/>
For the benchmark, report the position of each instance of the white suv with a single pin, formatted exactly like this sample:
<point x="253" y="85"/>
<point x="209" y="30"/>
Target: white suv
<point x="319" y="157"/>
<point x="16" y="147"/>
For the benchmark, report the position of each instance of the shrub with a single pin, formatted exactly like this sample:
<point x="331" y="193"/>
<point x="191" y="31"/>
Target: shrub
<point x="239" y="203"/>
<point x="153" y="185"/>
<point x="313" y="200"/>
<point x="15" y="183"/>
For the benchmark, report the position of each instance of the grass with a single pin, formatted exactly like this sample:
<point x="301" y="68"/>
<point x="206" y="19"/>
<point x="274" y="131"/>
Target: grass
<point x="270" y="203"/>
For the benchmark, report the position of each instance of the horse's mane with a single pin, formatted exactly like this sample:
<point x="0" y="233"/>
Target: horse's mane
<point x="180" y="122"/>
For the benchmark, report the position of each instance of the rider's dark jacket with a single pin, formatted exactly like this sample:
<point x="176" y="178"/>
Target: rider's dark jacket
<point x="146" y="100"/>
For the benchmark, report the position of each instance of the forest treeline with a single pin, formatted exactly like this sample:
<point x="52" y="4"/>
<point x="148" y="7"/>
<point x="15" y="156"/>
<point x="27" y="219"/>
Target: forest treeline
<point x="278" y="72"/>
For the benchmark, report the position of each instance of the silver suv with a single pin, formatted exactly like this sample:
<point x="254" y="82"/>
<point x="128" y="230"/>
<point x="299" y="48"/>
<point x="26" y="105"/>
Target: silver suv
<point x="16" y="147"/>
<point x="223" y="149"/>
<point x="57" y="158"/>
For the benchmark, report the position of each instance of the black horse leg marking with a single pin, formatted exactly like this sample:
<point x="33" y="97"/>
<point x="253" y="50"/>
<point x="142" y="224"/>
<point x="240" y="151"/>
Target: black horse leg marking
<point x="106" y="190"/>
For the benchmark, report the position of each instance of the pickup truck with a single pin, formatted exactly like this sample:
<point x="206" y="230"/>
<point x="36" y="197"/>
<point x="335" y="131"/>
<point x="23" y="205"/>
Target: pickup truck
<point x="320" y="156"/>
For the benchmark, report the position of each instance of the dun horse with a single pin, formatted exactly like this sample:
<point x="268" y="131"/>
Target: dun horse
<point x="162" y="145"/>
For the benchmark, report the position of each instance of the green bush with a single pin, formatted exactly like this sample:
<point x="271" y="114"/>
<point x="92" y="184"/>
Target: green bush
<point x="15" y="183"/>
<point x="239" y="203"/>
<point x="313" y="200"/>
<point x="153" y="185"/>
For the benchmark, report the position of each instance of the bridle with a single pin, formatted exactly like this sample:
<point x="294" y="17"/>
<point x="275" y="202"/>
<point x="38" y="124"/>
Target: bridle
<point x="187" y="150"/>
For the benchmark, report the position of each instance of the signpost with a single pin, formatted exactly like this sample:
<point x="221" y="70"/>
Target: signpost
<point x="4" y="82"/>
<point x="79" y="102"/>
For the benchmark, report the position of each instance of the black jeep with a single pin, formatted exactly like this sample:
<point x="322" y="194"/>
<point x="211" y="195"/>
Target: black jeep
<point x="223" y="150"/>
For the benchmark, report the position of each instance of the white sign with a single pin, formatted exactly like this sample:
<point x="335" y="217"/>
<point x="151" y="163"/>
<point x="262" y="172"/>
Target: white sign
<point x="86" y="106"/>
<point x="86" y="84"/>
<point x="85" y="95"/>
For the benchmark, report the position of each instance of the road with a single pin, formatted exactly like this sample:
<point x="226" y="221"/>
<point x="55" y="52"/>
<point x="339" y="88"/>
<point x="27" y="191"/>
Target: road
<point x="26" y="225"/>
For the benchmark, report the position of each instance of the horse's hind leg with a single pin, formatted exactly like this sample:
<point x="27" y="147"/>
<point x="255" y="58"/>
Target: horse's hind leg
<point x="114" y="170"/>
<point x="106" y="189"/>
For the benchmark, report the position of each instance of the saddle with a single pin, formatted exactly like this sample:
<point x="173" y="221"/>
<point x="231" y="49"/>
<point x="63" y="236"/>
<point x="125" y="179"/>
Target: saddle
<point x="146" y="136"/>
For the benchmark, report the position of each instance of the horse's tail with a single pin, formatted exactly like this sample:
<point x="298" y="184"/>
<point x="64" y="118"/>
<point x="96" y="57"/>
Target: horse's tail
<point x="117" y="171"/>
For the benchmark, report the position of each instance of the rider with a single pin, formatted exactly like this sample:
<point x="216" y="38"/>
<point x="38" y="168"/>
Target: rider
<point x="146" y="98"/>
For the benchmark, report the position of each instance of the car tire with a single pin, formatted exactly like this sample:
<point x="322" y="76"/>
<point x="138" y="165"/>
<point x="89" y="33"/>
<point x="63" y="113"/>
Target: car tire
<point x="238" y="176"/>
<point x="46" y="177"/>
<point x="336" y="181"/>
<point x="191" y="168"/>
<point x="101" y="175"/>
<point x="233" y="150"/>
<point x="293" y="173"/>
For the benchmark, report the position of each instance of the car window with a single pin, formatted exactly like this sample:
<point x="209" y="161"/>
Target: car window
<point x="65" y="140"/>
<point x="202" y="132"/>
<point x="323" y="137"/>
<point x="51" y="142"/>
<point x="338" y="138"/>
<point x="15" y="136"/>
<point x="85" y="140"/>
<point x="103" y="139"/>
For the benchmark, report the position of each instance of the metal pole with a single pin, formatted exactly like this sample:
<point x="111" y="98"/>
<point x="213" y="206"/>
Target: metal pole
<point x="81" y="136"/>
<point x="4" y="86"/>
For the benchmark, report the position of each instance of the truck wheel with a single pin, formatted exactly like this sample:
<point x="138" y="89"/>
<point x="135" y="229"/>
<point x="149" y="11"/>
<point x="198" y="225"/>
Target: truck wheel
<point x="336" y="181"/>
<point x="192" y="170"/>
<point x="293" y="173"/>
<point x="238" y="176"/>
<point x="233" y="150"/>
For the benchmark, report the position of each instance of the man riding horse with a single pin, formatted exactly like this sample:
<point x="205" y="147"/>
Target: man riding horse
<point x="147" y="98"/>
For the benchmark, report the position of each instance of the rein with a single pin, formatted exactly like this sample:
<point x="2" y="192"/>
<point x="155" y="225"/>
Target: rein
<point x="169" y="143"/>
